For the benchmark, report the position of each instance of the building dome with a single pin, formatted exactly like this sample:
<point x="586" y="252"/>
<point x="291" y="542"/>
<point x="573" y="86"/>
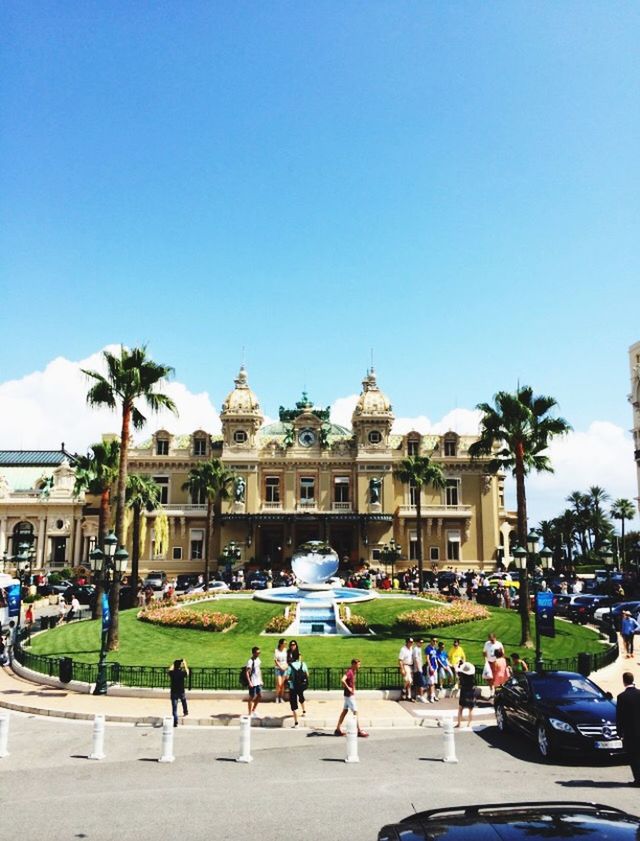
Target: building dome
<point x="372" y="402"/>
<point x="241" y="401"/>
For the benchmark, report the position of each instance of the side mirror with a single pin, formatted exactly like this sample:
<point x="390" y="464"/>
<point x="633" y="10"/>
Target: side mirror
<point x="608" y="696"/>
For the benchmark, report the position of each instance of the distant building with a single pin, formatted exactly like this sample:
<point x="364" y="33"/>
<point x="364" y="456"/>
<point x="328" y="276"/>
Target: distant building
<point x="634" y="399"/>
<point x="299" y="479"/>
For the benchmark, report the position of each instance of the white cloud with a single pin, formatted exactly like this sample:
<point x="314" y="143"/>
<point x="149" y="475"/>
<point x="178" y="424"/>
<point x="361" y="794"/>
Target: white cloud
<point x="601" y="455"/>
<point x="462" y="421"/>
<point x="45" y="408"/>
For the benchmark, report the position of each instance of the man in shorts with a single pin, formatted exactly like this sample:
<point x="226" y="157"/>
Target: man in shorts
<point x="349" y="692"/>
<point x="419" y="681"/>
<point x="254" y="680"/>
<point x="405" y="664"/>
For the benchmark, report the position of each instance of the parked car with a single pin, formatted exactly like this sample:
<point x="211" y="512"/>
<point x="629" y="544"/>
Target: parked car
<point x="186" y="580"/>
<point x="257" y="581"/>
<point x="214" y="586"/>
<point x="156" y="579"/>
<point x="563" y="601"/>
<point x="85" y="593"/>
<point x="583" y="607"/>
<point x="561" y="711"/>
<point x="601" y="614"/>
<point x="514" y="821"/>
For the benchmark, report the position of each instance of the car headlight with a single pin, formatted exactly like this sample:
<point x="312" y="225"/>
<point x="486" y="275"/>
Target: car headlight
<point x="563" y="726"/>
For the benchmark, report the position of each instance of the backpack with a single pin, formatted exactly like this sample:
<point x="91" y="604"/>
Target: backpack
<point x="244" y="680"/>
<point x="300" y="679"/>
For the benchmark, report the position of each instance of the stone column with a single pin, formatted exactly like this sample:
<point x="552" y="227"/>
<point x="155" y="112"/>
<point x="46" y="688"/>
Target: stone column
<point x="77" y="542"/>
<point x="41" y="541"/>
<point x="3" y="535"/>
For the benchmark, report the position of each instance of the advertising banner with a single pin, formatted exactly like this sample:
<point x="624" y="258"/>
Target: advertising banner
<point x="13" y="600"/>
<point x="545" y="614"/>
<point x="106" y="613"/>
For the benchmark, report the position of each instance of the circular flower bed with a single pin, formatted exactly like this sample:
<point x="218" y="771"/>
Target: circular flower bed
<point x="179" y="617"/>
<point x="455" y="614"/>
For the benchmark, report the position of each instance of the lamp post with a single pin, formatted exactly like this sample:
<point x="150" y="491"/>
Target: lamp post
<point x="230" y="553"/>
<point x="114" y="563"/>
<point x="22" y="563"/>
<point x="391" y="553"/>
<point x="545" y="556"/>
<point x="607" y="556"/>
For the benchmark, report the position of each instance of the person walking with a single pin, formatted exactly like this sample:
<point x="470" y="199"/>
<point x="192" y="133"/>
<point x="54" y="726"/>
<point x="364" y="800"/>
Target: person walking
<point x="28" y="620"/>
<point x="489" y="651"/>
<point x="298" y="680"/>
<point x="628" y="628"/>
<point x="467" y="700"/>
<point x="501" y="669"/>
<point x="628" y="724"/>
<point x="281" y="665"/>
<point x="405" y="665"/>
<point x="253" y="670"/>
<point x="419" y="681"/>
<point x="349" y="705"/>
<point x="178" y="672"/>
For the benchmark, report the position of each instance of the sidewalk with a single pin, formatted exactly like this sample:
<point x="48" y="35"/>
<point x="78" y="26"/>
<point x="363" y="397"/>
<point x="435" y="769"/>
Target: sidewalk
<point x="19" y="694"/>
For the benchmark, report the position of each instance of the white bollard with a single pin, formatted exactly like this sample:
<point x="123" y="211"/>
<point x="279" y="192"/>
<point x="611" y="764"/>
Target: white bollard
<point x="97" y="751"/>
<point x="449" y="740"/>
<point x="4" y="735"/>
<point x="167" y="740"/>
<point x="352" y="739"/>
<point x="245" y="739"/>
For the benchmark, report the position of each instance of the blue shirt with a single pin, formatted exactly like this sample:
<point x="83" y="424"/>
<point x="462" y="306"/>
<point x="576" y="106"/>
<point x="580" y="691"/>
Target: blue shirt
<point x="629" y="626"/>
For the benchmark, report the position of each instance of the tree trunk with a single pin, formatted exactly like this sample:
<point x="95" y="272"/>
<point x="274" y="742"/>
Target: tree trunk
<point x="525" y="622"/>
<point x="207" y="541"/>
<point x="622" y="550"/>
<point x="135" y="553"/>
<point x="104" y="513"/>
<point x="113" y="641"/>
<point x="419" y="537"/>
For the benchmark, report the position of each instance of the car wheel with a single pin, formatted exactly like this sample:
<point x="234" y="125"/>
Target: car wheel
<point x="501" y="719"/>
<point x="544" y="744"/>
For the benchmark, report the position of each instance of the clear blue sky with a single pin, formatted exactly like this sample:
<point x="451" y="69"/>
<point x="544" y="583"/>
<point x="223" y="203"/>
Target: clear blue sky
<point x="453" y="184"/>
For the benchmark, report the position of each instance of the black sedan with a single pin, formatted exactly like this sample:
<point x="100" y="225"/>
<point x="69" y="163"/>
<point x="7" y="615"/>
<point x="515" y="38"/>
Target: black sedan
<point x="583" y="607"/>
<point x="515" y="821"/>
<point x="561" y="711"/>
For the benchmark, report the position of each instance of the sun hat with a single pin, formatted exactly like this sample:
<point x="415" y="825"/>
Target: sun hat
<point x="467" y="668"/>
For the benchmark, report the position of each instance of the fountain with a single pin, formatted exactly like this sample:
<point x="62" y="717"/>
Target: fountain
<point x="317" y="594"/>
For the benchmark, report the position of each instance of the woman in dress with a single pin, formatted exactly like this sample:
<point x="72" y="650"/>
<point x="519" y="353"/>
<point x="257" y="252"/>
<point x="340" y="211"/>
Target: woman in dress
<point x="501" y="669"/>
<point x="281" y="664"/>
<point x="467" y="681"/>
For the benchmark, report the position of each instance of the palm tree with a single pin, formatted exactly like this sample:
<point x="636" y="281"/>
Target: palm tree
<point x="212" y="481"/>
<point x="623" y="509"/>
<point x="419" y="472"/>
<point x="132" y="376"/>
<point x="580" y="503"/>
<point x="597" y="496"/>
<point x="96" y="474"/>
<point x="515" y="432"/>
<point x="143" y="494"/>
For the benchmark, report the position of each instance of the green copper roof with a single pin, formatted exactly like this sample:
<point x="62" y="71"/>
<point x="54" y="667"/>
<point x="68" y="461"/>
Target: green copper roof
<point x="33" y="458"/>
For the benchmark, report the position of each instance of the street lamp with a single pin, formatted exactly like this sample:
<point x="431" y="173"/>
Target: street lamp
<point x="545" y="557"/>
<point x="22" y="563"/>
<point x="230" y="553"/>
<point x="607" y="556"/>
<point x="114" y="563"/>
<point x="391" y="552"/>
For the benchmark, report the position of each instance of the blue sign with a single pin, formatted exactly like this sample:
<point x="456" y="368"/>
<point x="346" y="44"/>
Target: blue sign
<point x="545" y="614"/>
<point x="13" y="599"/>
<point x="106" y="613"/>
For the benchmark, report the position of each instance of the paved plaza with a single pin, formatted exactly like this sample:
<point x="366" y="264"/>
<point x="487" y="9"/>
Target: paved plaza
<point x="297" y="783"/>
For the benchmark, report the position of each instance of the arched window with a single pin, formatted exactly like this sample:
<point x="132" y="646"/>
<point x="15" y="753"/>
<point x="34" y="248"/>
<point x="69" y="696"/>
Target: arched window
<point x="22" y="533"/>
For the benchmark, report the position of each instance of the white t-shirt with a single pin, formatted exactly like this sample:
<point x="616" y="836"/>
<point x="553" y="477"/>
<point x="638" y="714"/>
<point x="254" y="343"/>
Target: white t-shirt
<point x="416" y="654"/>
<point x="75" y="604"/>
<point x="405" y="656"/>
<point x="255" y="671"/>
<point x="490" y="648"/>
<point x="281" y="658"/>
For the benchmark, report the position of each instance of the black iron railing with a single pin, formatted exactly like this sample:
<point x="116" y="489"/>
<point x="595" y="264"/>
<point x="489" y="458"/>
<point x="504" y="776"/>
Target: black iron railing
<point x="228" y="679"/>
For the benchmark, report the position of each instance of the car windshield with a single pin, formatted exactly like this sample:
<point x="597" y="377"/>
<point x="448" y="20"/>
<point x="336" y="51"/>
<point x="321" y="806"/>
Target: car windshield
<point x="565" y="688"/>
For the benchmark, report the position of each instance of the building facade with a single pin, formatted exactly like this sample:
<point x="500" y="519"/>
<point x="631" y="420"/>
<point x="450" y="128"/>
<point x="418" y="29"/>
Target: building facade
<point x="305" y="478"/>
<point x="634" y="399"/>
<point x="298" y="479"/>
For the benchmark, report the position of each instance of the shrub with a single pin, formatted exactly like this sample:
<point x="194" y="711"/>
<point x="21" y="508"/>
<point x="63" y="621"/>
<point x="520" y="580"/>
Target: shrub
<point x="356" y="624"/>
<point x="178" y="617"/>
<point x="439" y="617"/>
<point x="278" y="624"/>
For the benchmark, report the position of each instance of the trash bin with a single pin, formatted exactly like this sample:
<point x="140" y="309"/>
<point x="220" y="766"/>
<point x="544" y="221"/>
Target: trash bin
<point x="585" y="663"/>
<point x="44" y="623"/>
<point x="66" y="669"/>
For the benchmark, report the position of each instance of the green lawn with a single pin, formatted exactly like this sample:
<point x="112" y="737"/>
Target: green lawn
<point x="145" y="644"/>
